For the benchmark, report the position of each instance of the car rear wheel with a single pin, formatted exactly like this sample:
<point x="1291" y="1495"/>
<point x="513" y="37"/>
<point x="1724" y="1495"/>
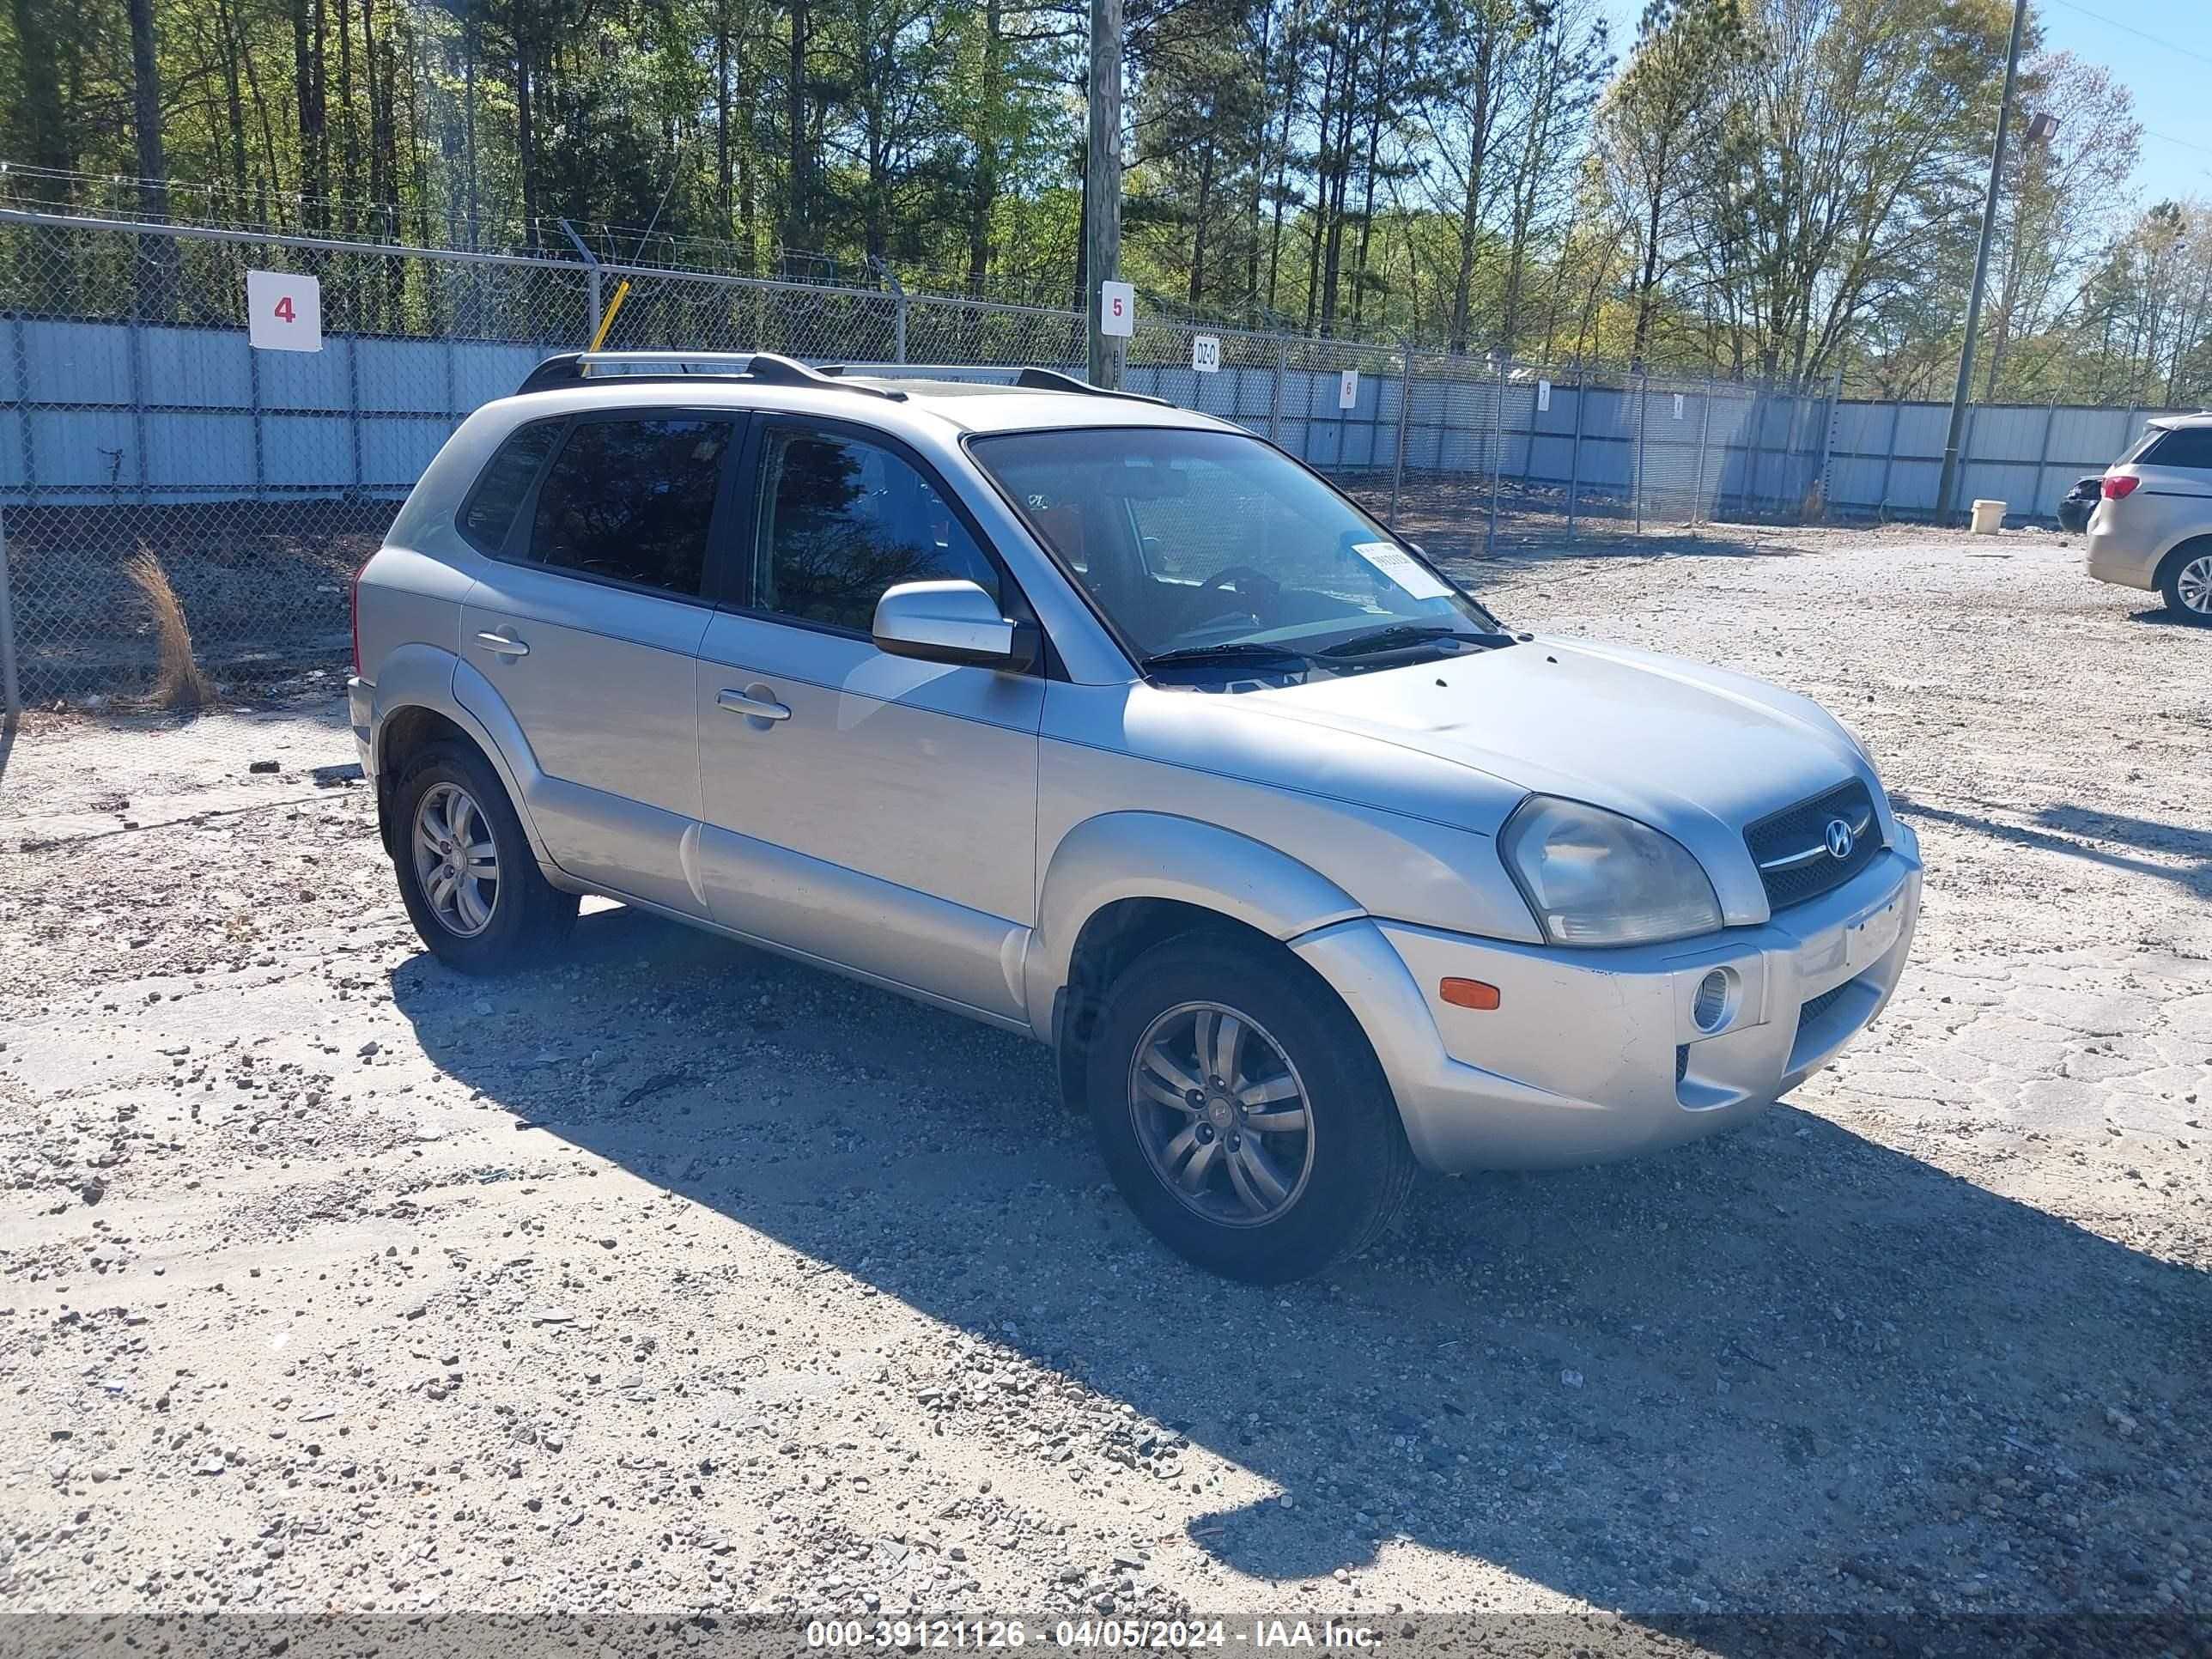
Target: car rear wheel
<point x="466" y="873"/>
<point x="2187" y="583"/>
<point x="1241" y="1111"/>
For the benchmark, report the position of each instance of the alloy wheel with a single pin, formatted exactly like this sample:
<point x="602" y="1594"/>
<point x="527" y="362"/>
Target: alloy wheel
<point x="2194" y="585"/>
<point x="1221" y="1114"/>
<point x="456" y="859"/>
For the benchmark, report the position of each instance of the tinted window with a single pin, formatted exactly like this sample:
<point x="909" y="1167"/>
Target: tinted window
<point x="491" y="506"/>
<point x="630" y="500"/>
<point x="841" y="521"/>
<point x="2182" y="445"/>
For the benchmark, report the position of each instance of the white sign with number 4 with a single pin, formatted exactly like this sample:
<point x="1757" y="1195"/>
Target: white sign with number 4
<point x="284" y="312"/>
<point x="1206" y="354"/>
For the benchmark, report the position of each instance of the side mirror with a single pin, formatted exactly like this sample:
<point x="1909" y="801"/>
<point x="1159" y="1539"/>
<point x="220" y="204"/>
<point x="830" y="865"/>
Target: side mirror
<point x="954" y="622"/>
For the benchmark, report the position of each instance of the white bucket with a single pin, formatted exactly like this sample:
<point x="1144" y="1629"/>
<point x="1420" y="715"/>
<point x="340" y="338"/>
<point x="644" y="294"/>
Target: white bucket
<point x="1989" y="518"/>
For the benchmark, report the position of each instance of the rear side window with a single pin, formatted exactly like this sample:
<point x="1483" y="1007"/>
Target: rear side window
<point x="2182" y="445"/>
<point x="631" y="501"/>
<point x="488" y="512"/>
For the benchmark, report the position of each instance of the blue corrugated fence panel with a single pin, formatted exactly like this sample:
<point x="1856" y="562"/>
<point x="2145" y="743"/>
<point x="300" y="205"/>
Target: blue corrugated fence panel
<point x="394" y="453"/>
<point x="199" y="450"/>
<point x="203" y="367"/>
<point x="77" y="362"/>
<point x="407" y="374"/>
<point x="1920" y="429"/>
<point x="307" y="449"/>
<point x="85" y="446"/>
<point x="306" y="380"/>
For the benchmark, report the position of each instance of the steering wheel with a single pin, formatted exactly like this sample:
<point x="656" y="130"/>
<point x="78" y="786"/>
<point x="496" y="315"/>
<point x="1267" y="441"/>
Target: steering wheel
<point x="1262" y="588"/>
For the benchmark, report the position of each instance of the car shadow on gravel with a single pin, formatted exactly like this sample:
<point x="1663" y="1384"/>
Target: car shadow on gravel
<point x="2077" y="828"/>
<point x="1787" y="1368"/>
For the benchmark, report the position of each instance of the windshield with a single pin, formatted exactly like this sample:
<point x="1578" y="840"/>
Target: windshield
<point x="1213" y="543"/>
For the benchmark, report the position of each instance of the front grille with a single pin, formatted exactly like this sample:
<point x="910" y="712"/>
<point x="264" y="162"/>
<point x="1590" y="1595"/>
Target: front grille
<point x="1819" y="1004"/>
<point x="1802" y="828"/>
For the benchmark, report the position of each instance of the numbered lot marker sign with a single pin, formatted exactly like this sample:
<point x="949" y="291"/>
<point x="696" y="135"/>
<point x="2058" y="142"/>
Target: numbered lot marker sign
<point x="1117" y="309"/>
<point x="1206" y="354"/>
<point x="1543" y="396"/>
<point x="284" y="312"/>
<point x="1348" y="388"/>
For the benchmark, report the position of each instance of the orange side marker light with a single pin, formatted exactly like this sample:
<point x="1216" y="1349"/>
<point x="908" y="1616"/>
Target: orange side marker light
<point x="1469" y="993"/>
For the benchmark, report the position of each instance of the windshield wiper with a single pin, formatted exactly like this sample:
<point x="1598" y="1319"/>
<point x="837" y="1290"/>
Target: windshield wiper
<point x="1401" y="635"/>
<point x="1231" y="651"/>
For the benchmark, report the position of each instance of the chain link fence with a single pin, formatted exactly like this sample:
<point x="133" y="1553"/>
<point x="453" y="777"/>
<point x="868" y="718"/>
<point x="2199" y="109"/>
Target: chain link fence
<point x="160" y="475"/>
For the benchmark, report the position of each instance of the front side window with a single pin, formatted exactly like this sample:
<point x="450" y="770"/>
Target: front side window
<point x="631" y="501"/>
<point x="1193" y="542"/>
<point x="841" y="520"/>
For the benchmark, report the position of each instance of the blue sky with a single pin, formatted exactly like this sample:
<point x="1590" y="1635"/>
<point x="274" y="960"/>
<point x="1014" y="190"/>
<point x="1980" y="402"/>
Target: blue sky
<point x="2169" y="75"/>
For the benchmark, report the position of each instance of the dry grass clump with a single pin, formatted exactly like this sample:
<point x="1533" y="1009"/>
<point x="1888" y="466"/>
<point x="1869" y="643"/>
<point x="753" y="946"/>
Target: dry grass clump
<point x="180" y="684"/>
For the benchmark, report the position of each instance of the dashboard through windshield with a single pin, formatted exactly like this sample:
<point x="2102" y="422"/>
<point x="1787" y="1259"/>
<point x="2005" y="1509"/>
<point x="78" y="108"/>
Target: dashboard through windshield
<point x="1203" y="546"/>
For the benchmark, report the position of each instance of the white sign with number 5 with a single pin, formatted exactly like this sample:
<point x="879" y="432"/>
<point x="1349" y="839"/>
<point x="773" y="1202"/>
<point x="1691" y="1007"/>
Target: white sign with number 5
<point x="1117" y="309"/>
<point x="284" y="312"/>
<point x="1206" y="354"/>
<point x="1348" y="388"/>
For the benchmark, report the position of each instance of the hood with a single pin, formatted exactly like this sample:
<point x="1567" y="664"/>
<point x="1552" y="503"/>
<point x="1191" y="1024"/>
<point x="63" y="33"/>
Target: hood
<point x="1695" y="751"/>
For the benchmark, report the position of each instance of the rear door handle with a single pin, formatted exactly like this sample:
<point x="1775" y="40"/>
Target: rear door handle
<point x="500" y="646"/>
<point x="760" y="709"/>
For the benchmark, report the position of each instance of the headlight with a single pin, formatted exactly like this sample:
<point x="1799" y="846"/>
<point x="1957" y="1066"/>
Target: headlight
<point x="1595" y="878"/>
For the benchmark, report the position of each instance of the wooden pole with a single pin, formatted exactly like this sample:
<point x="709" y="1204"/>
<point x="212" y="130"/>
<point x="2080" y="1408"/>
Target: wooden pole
<point x="1102" y="179"/>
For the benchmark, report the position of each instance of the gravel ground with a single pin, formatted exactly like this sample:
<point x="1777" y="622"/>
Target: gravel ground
<point x="670" y="1277"/>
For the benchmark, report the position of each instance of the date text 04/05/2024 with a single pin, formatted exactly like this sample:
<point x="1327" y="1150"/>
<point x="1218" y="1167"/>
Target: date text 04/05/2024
<point x="1166" y="1635"/>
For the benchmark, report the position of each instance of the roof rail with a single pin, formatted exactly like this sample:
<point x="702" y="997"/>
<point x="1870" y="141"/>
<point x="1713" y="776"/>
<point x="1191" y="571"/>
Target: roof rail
<point x="1051" y="380"/>
<point x="762" y="368"/>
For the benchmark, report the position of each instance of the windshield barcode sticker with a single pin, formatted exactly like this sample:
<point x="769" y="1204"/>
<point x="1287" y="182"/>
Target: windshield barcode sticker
<point x="1396" y="565"/>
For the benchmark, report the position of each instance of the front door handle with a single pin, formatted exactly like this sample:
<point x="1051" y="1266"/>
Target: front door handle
<point x="500" y="646"/>
<point x="760" y="709"/>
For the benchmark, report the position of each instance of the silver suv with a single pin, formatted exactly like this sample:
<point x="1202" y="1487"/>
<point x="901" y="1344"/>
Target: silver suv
<point x="1114" y="726"/>
<point x="2152" y="528"/>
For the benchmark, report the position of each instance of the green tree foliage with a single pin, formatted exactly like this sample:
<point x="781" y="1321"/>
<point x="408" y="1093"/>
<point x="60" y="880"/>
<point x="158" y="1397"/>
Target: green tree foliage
<point x="1758" y="187"/>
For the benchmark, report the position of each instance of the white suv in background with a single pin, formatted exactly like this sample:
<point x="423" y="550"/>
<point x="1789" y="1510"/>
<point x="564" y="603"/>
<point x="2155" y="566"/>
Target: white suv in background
<point x="2153" y="527"/>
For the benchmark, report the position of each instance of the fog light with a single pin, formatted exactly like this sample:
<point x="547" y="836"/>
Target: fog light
<point x="1716" y="991"/>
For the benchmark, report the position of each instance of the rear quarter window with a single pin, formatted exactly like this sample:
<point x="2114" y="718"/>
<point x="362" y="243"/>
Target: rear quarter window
<point x="2187" y="446"/>
<point x="488" y="515"/>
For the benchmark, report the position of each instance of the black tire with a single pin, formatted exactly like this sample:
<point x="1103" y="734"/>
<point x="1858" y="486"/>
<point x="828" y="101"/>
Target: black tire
<point x="2169" y="582"/>
<point x="528" y="914"/>
<point x="1361" y="1168"/>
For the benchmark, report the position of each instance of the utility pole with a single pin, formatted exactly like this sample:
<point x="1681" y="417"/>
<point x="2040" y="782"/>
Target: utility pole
<point x="1102" y="186"/>
<point x="1948" y="483"/>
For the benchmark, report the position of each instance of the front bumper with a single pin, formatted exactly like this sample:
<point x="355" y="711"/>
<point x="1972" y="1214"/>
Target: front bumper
<point x="1596" y="1054"/>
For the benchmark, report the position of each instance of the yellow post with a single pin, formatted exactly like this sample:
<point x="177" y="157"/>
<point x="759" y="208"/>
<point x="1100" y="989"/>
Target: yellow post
<point x="622" y="292"/>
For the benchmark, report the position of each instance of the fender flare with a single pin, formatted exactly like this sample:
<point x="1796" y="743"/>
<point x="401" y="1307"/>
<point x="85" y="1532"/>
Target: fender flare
<point x="425" y="677"/>
<point x="2158" y="565"/>
<point x="1157" y="855"/>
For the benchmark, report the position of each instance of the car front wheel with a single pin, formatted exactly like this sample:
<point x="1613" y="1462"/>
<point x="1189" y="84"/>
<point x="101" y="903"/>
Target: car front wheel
<point x="1241" y="1111"/>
